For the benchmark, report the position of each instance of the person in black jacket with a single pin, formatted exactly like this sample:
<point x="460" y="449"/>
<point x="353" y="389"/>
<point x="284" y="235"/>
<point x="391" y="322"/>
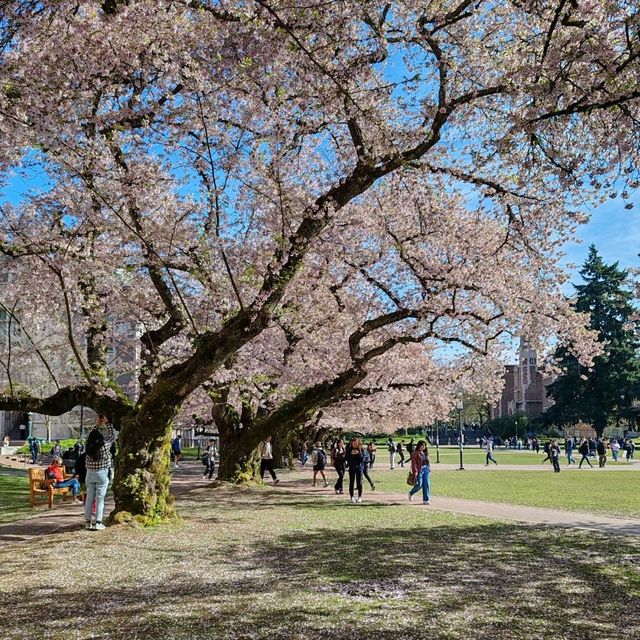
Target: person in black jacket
<point x="355" y="463"/>
<point x="601" y="448"/>
<point x="339" y="457"/>
<point x="583" y="450"/>
<point x="554" y="454"/>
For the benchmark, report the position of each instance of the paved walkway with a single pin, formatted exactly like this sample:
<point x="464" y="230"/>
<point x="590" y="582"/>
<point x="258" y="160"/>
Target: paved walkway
<point x="68" y="517"/>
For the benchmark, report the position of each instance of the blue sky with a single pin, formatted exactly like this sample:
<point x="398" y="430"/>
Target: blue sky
<point x="614" y="230"/>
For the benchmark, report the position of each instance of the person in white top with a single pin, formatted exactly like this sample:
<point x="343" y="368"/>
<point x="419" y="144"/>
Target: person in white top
<point x="266" y="459"/>
<point x="489" y="450"/>
<point x="615" y="448"/>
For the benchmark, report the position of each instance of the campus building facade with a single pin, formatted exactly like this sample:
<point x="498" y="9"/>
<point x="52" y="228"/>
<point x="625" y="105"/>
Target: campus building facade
<point x="525" y="388"/>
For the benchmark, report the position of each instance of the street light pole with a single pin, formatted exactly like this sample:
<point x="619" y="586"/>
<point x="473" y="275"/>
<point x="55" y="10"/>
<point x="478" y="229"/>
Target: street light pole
<point x="437" y="441"/>
<point x="460" y="406"/>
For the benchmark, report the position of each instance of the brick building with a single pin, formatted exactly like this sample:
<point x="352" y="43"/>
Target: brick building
<point x="525" y="389"/>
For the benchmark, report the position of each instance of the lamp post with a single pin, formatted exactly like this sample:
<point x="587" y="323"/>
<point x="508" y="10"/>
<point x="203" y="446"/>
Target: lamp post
<point x="437" y="441"/>
<point x="460" y="406"/>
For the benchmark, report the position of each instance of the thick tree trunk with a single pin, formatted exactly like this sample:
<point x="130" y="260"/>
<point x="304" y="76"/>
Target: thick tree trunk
<point x="239" y="462"/>
<point x="141" y="485"/>
<point x="282" y="452"/>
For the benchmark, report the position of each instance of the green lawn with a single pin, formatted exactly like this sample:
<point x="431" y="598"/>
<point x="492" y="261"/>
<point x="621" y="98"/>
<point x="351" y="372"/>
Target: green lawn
<point x="249" y="564"/>
<point x="590" y="490"/>
<point x="14" y="497"/>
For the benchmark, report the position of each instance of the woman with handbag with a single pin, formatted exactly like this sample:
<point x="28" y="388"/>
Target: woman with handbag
<point x="420" y="471"/>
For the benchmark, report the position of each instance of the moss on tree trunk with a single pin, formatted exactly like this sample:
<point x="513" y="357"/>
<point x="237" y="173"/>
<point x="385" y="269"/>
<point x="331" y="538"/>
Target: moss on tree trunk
<point x="141" y="484"/>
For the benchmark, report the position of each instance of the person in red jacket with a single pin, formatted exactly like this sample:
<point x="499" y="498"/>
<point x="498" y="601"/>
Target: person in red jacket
<point x="56" y="471"/>
<point x="421" y="471"/>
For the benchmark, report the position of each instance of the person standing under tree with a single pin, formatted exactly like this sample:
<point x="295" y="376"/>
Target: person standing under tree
<point x="339" y="458"/>
<point x="98" y="462"/>
<point x="355" y="463"/>
<point x="319" y="461"/>
<point x="365" y="468"/>
<point x="371" y="450"/>
<point x="391" y="446"/>
<point x="266" y="460"/>
<point x="176" y="451"/>
<point x="421" y="472"/>
<point x="209" y="460"/>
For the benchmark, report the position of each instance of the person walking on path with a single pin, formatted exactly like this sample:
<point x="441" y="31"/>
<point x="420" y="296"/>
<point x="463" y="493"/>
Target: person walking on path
<point x="489" y="451"/>
<point x="266" y="460"/>
<point x="546" y="449"/>
<point x="400" y="452"/>
<point x="410" y="447"/>
<point x="209" y="460"/>
<point x="355" y="460"/>
<point x="56" y="471"/>
<point x="601" y="448"/>
<point x="615" y="448"/>
<point x="391" y="446"/>
<point x="554" y="453"/>
<point x="304" y="455"/>
<point x="365" y="468"/>
<point x="319" y="461"/>
<point x="568" y="447"/>
<point x="421" y="472"/>
<point x="583" y="450"/>
<point x="176" y="451"/>
<point x="98" y="462"/>
<point x="339" y="459"/>
<point x="371" y="450"/>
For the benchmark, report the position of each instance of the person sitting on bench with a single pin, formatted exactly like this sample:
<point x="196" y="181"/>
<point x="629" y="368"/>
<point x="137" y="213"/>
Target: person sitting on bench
<point x="56" y="472"/>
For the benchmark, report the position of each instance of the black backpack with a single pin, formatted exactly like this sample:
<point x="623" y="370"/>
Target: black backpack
<point x="95" y="441"/>
<point x="321" y="457"/>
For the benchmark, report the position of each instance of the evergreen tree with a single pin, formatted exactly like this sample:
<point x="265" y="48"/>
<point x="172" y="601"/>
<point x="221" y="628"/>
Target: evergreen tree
<point x="605" y="391"/>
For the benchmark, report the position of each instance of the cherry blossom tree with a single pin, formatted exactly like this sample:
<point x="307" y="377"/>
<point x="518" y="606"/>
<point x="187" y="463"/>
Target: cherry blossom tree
<point x="297" y="205"/>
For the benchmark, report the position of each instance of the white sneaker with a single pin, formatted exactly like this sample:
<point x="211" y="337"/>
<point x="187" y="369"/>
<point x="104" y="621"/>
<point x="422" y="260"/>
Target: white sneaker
<point x="87" y="525"/>
<point x="99" y="526"/>
<point x="425" y="502"/>
<point x="353" y="500"/>
<point x="410" y="496"/>
<point x="359" y="500"/>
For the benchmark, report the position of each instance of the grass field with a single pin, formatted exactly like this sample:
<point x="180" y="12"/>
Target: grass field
<point x="589" y="490"/>
<point x="14" y="497"/>
<point x="265" y="564"/>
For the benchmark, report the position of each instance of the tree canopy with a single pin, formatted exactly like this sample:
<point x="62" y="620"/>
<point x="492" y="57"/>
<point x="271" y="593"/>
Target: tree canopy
<point x="295" y="205"/>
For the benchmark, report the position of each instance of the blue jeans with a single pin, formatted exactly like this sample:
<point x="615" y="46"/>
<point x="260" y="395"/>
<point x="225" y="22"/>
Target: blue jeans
<point x="74" y="483"/>
<point x="97" y="483"/>
<point x="423" y="482"/>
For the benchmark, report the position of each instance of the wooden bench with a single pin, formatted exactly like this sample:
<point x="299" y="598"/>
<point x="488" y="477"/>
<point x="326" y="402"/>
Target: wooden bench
<point x="40" y="485"/>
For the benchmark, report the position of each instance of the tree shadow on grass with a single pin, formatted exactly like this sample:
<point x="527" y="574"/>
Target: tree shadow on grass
<point x="334" y="570"/>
